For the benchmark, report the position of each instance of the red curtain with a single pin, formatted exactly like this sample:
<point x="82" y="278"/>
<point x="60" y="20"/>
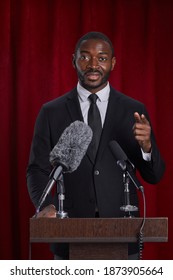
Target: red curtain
<point x="37" y="39"/>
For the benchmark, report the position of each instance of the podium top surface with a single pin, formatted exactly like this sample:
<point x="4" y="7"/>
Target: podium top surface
<point x="97" y="229"/>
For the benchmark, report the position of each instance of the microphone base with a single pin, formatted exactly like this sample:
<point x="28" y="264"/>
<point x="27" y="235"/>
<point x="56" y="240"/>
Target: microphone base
<point x="128" y="208"/>
<point x="62" y="215"/>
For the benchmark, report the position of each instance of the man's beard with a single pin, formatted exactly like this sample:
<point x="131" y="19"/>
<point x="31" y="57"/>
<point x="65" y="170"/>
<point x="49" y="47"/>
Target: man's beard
<point x="92" y="86"/>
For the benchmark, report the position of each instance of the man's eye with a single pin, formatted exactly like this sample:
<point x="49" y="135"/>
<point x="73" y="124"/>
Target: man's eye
<point x="84" y="57"/>
<point x="102" y="58"/>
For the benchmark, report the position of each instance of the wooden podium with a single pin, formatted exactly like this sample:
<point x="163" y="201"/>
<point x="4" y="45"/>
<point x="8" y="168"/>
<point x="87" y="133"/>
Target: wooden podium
<point x="97" y="238"/>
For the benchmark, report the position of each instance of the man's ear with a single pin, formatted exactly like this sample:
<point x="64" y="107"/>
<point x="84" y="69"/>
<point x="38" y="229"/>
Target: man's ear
<point x="74" y="60"/>
<point x="113" y="63"/>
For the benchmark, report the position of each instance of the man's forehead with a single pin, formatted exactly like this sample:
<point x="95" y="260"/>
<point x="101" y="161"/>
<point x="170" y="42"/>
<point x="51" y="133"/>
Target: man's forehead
<point x="94" y="43"/>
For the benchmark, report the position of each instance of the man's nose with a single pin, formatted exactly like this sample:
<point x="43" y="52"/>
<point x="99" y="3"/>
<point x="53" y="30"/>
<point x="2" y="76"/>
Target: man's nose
<point x="93" y="63"/>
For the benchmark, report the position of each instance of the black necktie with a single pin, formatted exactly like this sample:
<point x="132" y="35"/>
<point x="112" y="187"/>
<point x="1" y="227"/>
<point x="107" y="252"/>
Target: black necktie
<point x="94" y="121"/>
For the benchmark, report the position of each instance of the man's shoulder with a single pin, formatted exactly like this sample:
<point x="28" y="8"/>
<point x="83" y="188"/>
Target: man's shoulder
<point x="62" y="99"/>
<point x="118" y="95"/>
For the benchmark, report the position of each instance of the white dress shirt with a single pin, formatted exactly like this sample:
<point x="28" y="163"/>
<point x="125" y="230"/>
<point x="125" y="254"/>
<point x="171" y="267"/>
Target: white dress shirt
<point x="102" y="101"/>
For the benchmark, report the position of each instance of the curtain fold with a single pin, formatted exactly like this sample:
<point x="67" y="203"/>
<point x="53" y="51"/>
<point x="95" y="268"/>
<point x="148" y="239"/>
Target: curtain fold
<point x="37" y="40"/>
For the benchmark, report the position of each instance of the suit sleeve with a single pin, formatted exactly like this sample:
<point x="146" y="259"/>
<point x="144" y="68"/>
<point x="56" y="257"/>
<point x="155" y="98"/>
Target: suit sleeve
<point x="39" y="168"/>
<point x="151" y="171"/>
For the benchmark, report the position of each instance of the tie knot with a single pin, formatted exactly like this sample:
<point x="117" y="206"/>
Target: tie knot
<point x="93" y="98"/>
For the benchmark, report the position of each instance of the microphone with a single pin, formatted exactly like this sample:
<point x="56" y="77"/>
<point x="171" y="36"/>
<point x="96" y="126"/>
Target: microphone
<point x="67" y="154"/>
<point x="72" y="146"/>
<point x="124" y="163"/>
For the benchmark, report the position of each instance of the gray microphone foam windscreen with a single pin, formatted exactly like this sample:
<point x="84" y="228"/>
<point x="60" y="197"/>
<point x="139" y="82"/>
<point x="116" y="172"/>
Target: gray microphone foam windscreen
<point x="72" y="146"/>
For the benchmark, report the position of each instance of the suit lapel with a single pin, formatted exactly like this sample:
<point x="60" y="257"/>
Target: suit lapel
<point x="74" y="110"/>
<point x="73" y="106"/>
<point x="111" y="123"/>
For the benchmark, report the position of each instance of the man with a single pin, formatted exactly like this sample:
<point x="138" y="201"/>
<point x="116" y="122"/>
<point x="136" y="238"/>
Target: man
<point x="96" y="187"/>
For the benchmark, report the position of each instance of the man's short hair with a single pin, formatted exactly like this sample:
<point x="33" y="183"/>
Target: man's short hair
<point x="96" y="36"/>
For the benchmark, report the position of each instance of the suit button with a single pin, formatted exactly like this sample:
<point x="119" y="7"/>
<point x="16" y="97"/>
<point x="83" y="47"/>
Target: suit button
<point x="96" y="172"/>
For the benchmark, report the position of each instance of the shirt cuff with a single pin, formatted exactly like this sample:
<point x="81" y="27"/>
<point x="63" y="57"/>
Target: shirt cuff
<point x="146" y="156"/>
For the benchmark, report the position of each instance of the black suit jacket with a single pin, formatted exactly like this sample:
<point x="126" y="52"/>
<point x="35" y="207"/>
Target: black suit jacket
<point x="99" y="183"/>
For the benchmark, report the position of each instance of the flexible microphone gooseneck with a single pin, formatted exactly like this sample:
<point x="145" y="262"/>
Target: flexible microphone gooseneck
<point x="124" y="163"/>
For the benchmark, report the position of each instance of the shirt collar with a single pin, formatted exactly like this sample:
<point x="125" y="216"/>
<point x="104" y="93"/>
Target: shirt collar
<point x="102" y="94"/>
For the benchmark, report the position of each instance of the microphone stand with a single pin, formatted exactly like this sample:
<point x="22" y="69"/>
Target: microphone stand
<point x="127" y="207"/>
<point x="61" y="197"/>
<point x="127" y="176"/>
